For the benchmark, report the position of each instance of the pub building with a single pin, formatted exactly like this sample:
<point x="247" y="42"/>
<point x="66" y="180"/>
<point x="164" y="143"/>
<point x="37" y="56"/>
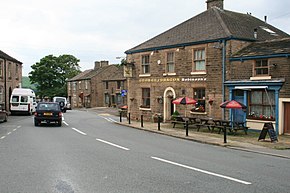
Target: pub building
<point x="192" y="59"/>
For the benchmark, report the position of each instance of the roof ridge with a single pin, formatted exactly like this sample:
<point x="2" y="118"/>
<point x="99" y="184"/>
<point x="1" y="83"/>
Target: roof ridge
<point x="223" y="24"/>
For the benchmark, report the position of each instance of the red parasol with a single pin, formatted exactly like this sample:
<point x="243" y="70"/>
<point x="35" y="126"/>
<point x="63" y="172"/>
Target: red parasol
<point x="233" y="105"/>
<point x="184" y="101"/>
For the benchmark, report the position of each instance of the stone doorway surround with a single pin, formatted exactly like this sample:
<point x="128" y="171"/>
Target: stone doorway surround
<point x="168" y="95"/>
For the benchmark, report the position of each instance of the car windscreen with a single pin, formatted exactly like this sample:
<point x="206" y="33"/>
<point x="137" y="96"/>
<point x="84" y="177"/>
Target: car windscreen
<point x="48" y="107"/>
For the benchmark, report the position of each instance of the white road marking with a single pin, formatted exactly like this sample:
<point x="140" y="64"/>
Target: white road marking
<point x="112" y="144"/>
<point x="8" y="133"/>
<point x="79" y="131"/>
<point x="65" y="123"/>
<point x="18" y="127"/>
<point x="202" y="171"/>
<point x="2" y="137"/>
<point x="14" y="129"/>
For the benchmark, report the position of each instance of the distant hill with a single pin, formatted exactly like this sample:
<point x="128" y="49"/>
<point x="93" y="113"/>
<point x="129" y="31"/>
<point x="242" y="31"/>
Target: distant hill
<point x="27" y="84"/>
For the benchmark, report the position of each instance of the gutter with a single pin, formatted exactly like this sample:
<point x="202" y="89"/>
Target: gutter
<point x="260" y="57"/>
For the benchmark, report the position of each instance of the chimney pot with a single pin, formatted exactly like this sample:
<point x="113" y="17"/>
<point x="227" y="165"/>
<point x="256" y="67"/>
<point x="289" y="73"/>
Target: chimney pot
<point x="215" y="3"/>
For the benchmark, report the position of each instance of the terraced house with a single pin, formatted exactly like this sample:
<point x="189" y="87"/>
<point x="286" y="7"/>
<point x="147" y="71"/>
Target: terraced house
<point x="98" y="87"/>
<point x="203" y="58"/>
<point x="10" y="78"/>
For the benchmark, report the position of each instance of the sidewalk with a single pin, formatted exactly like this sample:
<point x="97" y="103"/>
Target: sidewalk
<point x="240" y="141"/>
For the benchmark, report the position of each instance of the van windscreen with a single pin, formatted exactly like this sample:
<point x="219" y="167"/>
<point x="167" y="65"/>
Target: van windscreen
<point x="15" y="99"/>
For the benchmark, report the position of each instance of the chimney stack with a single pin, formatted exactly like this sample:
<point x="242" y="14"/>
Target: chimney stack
<point x="101" y="64"/>
<point x="215" y="3"/>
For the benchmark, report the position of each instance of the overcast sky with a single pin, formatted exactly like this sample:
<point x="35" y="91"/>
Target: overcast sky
<point x="94" y="30"/>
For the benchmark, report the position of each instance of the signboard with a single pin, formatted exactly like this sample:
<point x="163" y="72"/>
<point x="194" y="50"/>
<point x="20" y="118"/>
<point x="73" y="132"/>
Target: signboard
<point x="268" y="128"/>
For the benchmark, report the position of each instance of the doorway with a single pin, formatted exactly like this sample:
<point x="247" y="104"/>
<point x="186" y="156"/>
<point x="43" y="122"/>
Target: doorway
<point x="287" y="118"/>
<point x="168" y="107"/>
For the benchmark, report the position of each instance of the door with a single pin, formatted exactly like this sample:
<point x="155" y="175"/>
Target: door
<point x="239" y="113"/>
<point x="287" y="118"/>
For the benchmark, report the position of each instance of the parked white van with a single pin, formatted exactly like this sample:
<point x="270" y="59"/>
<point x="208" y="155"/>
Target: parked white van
<point x="22" y="100"/>
<point x="61" y="99"/>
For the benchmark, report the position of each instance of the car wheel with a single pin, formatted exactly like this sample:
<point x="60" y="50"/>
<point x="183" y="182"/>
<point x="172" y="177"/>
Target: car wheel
<point x="36" y="123"/>
<point x="59" y="123"/>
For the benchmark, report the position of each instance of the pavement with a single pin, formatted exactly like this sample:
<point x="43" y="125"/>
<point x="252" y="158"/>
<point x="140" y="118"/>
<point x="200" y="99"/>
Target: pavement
<point x="240" y="141"/>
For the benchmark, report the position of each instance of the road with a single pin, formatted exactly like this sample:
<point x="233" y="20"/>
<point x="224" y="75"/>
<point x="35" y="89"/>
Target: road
<point x="90" y="153"/>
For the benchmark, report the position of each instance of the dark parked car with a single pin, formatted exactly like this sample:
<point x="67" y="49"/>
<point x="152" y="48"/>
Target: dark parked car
<point x="48" y="112"/>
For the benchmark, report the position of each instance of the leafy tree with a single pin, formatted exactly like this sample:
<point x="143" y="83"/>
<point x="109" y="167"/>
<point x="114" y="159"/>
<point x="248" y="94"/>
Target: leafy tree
<point x="51" y="72"/>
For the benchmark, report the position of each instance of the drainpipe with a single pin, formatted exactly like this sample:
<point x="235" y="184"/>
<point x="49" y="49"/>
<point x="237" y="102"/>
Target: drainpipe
<point x="5" y="84"/>
<point x="277" y="111"/>
<point x="223" y="74"/>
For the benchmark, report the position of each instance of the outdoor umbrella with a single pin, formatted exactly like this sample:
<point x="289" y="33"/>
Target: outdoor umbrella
<point x="184" y="101"/>
<point x="233" y="105"/>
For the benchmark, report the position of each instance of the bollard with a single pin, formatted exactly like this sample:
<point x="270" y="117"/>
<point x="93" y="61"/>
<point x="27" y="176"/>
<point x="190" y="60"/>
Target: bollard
<point x="186" y="127"/>
<point x="225" y="135"/>
<point x="129" y="115"/>
<point x="120" y="116"/>
<point x="141" y="120"/>
<point x="159" y="120"/>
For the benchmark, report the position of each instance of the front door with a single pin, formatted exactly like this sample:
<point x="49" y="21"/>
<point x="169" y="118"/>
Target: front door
<point x="238" y="114"/>
<point x="287" y="118"/>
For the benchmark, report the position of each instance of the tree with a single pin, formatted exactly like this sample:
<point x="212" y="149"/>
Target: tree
<point x="51" y="72"/>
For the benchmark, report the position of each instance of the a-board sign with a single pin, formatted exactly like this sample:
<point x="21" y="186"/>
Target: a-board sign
<point x="268" y="128"/>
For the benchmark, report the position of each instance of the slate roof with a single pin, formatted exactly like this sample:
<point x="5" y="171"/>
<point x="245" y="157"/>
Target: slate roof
<point x="7" y="57"/>
<point x="80" y="76"/>
<point x="88" y="74"/>
<point x="272" y="48"/>
<point x="211" y="25"/>
<point x="117" y="75"/>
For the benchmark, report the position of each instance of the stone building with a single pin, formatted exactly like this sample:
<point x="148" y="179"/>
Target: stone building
<point x="10" y="78"/>
<point x="191" y="59"/>
<point x="259" y="76"/>
<point x="97" y="87"/>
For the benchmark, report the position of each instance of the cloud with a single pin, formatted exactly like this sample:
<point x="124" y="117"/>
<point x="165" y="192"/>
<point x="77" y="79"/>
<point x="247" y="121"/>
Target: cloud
<point x="94" y="30"/>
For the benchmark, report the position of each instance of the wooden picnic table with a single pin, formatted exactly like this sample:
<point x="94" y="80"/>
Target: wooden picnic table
<point x="232" y="127"/>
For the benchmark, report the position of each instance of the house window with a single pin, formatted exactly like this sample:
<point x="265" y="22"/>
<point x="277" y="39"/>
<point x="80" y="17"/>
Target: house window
<point x="107" y="84"/>
<point x="1" y="94"/>
<point x="199" y="96"/>
<point x="80" y="84"/>
<point x="262" y="105"/>
<point x="170" y="62"/>
<point x="107" y="99"/>
<point x="119" y="99"/>
<point x="199" y="60"/>
<point x="145" y="65"/>
<point x="86" y="84"/>
<point x="118" y="84"/>
<point x="145" y="98"/>
<point x="1" y="68"/>
<point x="261" y="68"/>
<point x="9" y="69"/>
<point x="74" y="86"/>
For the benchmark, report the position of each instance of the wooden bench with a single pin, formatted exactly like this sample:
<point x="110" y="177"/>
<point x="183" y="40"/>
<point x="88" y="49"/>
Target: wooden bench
<point x="240" y="126"/>
<point x="178" y="120"/>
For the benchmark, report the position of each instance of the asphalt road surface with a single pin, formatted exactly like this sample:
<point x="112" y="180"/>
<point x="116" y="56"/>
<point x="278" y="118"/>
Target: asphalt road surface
<point x="90" y="153"/>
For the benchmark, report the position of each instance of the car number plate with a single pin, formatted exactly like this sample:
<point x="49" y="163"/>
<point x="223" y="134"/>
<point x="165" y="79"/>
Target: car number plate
<point x="47" y="114"/>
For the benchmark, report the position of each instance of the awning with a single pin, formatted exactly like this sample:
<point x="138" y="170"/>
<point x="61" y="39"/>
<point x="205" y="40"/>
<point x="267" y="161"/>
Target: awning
<point x="250" y="87"/>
